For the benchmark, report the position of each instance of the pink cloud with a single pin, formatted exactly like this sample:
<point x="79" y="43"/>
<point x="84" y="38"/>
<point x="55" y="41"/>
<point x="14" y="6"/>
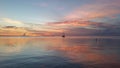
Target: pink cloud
<point x="73" y="24"/>
<point x="96" y="10"/>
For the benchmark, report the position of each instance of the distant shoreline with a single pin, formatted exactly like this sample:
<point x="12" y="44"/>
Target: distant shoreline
<point x="60" y="36"/>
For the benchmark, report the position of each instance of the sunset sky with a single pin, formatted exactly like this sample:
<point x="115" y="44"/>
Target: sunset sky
<point x="53" y="17"/>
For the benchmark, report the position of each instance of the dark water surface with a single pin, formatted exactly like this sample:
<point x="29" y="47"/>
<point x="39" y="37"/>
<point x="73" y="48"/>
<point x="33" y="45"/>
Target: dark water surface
<point x="48" y="52"/>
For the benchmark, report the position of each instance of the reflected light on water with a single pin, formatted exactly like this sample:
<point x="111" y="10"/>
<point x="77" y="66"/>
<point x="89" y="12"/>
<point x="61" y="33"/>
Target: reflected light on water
<point x="89" y="52"/>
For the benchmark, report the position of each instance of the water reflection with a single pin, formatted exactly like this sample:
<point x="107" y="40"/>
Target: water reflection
<point x="59" y="52"/>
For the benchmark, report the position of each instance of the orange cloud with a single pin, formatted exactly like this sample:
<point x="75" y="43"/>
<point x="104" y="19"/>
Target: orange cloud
<point x="19" y="31"/>
<point x="10" y="21"/>
<point x="12" y="31"/>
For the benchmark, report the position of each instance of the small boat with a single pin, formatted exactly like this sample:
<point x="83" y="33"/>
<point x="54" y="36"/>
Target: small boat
<point x="63" y="35"/>
<point x="24" y="34"/>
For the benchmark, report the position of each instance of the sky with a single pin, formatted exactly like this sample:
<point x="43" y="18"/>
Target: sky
<point x="53" y="17"/>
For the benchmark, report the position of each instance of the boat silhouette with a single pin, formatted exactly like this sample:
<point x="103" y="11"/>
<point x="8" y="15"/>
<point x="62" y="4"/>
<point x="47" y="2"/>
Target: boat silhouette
<point x="63" y="35"/>
<point x="24" y="34"/>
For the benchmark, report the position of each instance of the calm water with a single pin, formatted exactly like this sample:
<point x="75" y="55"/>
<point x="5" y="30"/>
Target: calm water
<point x="74" y="52"/>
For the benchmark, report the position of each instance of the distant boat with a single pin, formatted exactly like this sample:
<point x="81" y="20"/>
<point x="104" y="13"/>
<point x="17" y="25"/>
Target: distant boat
<point x="24" y="34"/>
<point x="63" y="35"/>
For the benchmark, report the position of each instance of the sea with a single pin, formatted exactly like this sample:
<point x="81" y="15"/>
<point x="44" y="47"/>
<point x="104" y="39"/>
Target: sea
<point x="58" y="52"/>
